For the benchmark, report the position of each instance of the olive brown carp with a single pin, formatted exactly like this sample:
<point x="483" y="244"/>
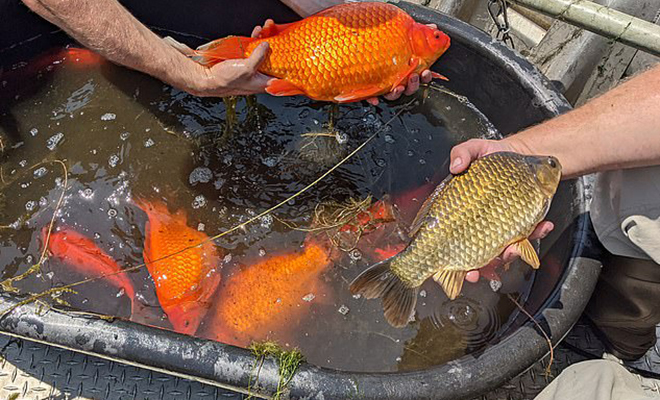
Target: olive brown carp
<point x="465" y="223"/>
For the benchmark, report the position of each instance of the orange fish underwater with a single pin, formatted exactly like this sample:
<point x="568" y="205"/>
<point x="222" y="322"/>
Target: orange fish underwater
<point x="345" y="53"/>
<point x="86" y="257"/>
<point x="184" y="282"/>
<point x="377" y="214"/>
<point x="268" y="296"/>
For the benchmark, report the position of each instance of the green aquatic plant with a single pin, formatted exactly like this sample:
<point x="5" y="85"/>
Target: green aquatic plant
<point x="231" y="118"/>
<point x="332" y="116"/>
<point x="287" y="363"/>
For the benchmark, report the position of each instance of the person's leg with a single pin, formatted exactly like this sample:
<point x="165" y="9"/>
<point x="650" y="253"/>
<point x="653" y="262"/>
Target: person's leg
<point x="595" y="380"/>
<point x="625" y="306"/>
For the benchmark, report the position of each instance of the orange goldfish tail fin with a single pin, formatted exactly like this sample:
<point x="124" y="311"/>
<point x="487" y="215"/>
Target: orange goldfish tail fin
<point x="399" y="299"/>
<point x="229" y="48"/>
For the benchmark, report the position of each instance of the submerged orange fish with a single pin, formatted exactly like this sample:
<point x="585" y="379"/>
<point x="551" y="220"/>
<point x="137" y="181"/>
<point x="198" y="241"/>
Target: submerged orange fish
<point x="377" y="214"/>
<point x="342" y="54"/>
<point x="268" y="296"/>
<point x="185" y="281"/>
<point x="86" y="257"/>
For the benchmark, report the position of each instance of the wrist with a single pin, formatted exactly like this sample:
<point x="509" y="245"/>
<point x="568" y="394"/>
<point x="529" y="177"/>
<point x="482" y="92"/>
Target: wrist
<point x="518" y="144"/>
<point x="185" y="74"/>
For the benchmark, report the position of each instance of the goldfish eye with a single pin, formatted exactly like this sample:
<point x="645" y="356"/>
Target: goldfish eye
<point x="552" y="163"/>
<point x="437" y="35"/>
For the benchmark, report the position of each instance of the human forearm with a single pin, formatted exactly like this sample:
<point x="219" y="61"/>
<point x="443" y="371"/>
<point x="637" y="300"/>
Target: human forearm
<point x="305" y="8"/>
<point x="109" y="29"/>
<point x="620" y="129"/>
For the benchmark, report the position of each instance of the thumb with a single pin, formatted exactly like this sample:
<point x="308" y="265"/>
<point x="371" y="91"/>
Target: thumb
<point x="463" y="154"/>
<point x="258" y="56"/>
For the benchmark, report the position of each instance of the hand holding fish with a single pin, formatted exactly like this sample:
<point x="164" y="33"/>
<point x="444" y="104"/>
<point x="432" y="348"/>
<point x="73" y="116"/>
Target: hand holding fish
<point x="461" y="157"/>
<point x="230" y="77"/>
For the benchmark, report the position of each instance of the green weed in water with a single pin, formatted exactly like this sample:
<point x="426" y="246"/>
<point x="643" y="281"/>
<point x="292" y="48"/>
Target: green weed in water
<point x="287" y="362"/>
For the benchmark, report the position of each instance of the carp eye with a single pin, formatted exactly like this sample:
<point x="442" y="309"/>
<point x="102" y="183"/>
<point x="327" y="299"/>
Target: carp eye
<point x="552" y="163"/>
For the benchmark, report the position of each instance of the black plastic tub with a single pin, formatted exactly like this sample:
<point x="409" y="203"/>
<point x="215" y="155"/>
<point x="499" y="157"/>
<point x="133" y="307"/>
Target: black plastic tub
<point x="504" y="86"/>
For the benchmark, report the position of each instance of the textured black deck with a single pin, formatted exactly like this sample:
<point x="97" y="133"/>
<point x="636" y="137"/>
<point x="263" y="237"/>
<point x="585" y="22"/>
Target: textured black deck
<point x="36" y="371"/>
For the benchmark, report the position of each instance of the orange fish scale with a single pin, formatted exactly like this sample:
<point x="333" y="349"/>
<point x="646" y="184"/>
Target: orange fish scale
<point x="265" y="296"/>
<point x="327" y="55"/>
<point x="179" y="276"/>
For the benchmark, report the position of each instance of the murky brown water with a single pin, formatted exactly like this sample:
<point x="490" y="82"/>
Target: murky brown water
<point x="123" y="135"/>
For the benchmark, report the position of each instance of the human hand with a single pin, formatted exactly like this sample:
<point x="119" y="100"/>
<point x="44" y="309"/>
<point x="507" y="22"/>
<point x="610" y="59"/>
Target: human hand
<point x="235" y="77"/>
<point x="227" y="78"/>
<point x="461" y="157"/>
<point x="411" y="84"/>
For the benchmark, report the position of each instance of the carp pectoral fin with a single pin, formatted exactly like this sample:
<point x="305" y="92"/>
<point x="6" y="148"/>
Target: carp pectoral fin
<point x="414" y="63"/>
<point x="438" y="76"/>
<point x="426" y="206"/>
<point x="280" y="87"/>
<point x="528" y="254"/>
<point x="399" y="299"/>
<point x="359" y="94"/>
<point x="451" y="282"/>
<point x="273" y="29"/>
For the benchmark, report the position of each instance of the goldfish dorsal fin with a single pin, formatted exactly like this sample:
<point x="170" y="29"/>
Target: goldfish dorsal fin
<point x="281" y="87"/>
<point x="426" y="206"/>
<point x="358" y="94"/>
<point x="413" y="64"/>
<point x="528" y="254"/>
<point x="273" y="29"/>
<point x="451" y="282"/>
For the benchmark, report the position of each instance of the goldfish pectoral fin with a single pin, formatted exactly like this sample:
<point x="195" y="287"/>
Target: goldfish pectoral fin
<point x="436" y="75"/>
<point x="426" y="207"/>
<point x="359" y="94"/>
<point x="273" y="29"/>
<point x="528" y="254"/>
<point x="281" y="87"/>
<point x="229" y="48"/>
<point x="414" y="63"/>
<point x="451" y="282"/>
<point x="399" y="299"/>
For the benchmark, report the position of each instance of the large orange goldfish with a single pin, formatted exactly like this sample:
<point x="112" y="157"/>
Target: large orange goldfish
<point x="268" y="296"/>
<point x="184" y="281"/>
<point x="346" y="53"/>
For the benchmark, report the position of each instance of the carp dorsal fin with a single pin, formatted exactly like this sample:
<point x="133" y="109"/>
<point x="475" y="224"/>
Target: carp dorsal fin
<point x="451" y="282"/>
<point x="426" y="206"/>
<point x="528" y="254"/>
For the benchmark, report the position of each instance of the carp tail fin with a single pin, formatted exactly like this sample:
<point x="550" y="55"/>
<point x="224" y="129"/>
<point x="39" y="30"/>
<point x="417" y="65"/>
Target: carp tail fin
<point x="399" y="299"/>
